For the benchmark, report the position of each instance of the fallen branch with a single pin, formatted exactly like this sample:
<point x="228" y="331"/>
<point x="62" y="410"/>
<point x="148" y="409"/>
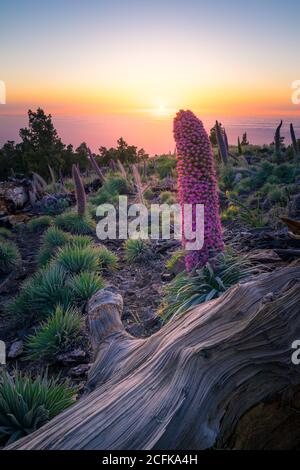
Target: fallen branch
<point x="189" y="385"/>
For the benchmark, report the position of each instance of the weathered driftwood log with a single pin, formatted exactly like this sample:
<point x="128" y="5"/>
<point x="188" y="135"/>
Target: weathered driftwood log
<point x="190" y="385"/>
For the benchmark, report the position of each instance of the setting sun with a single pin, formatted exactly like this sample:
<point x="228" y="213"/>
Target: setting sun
<point x="161" y="110"/>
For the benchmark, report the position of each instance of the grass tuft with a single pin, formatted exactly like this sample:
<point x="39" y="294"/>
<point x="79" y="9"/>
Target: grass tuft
<point x="75" y="259"/>
<point x="5" y="233"/>
<point x="106" y="258"/>
<point x="58" y="334"/>
<point x="137" y="250"/>
<point x="53" y="239"/>
<point x="75" y="224"/>
<point x="186" y="291"/>
<point x="10" y="256"/>
<point x="82" y="241"/>
<point x="39" y="223"/>
<point x="84" y="285"/>
<point x="42" y="293"/>
<point x="26" y="404"/>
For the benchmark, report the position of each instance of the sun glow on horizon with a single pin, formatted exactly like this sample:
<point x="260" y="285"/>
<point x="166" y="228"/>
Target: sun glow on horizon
<point x="161" y="110"/>
<point x="181" y="56"/>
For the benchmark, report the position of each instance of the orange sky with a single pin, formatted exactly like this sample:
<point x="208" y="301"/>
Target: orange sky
<point x="149" y="59"/>
<point x="113" y="56"/>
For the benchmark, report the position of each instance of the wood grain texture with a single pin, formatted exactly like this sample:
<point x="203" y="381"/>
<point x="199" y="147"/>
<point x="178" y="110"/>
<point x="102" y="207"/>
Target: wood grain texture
<point x="187" y="386"/>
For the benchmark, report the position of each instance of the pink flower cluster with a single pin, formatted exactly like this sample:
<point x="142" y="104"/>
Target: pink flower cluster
<point x="197" y="183"/>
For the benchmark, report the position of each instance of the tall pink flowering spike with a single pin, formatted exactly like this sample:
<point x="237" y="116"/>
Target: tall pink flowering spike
<point x="197" y="183"/>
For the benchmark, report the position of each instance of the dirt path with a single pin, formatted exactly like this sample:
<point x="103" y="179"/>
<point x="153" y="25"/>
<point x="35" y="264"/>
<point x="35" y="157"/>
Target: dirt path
<point x="141" y="285"/>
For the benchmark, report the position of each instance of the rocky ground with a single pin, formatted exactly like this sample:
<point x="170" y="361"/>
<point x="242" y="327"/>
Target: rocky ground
<point x="141" y="285"/>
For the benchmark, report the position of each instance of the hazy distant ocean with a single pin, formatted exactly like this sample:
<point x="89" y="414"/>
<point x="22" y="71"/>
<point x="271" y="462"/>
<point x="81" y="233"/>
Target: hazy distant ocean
<point x="152" y="133"/>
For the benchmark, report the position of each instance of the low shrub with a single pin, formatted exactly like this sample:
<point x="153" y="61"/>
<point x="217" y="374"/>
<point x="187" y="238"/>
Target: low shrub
<point x="111" y="189"/>
<point x="292" y="189"/>
<point x="54" y="237"/>
<point x="165" y="166"/>
<point x="253" y="216"/>
<point x="26" y="404"/>
<point x="272" y="179"/>
<point x="226" y="178"/>
<point x="52" y="188"/>
<point x="103" y="197"/>
<point x="277" y="195"/>
<point x="91" y="209"/>
<point x="259" y="179"/>
<point x="49" y="289"/>
<point x="265" y="189"/>
<point x="58" y="207"/>
<point x="267" y="167"/>
<point x="245" y="185"/>
<point x="115" y="185"/>
<point x="285" y="173"/>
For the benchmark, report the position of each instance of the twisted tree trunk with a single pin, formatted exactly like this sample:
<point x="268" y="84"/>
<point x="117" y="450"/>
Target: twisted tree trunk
<point x="189" y="385"/>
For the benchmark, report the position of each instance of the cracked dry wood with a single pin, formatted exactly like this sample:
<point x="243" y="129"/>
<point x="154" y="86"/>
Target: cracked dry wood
<point x="189" y="385"/>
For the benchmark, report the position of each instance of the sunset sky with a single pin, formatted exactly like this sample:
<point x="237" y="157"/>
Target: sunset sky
<point x="148" y="58"/>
